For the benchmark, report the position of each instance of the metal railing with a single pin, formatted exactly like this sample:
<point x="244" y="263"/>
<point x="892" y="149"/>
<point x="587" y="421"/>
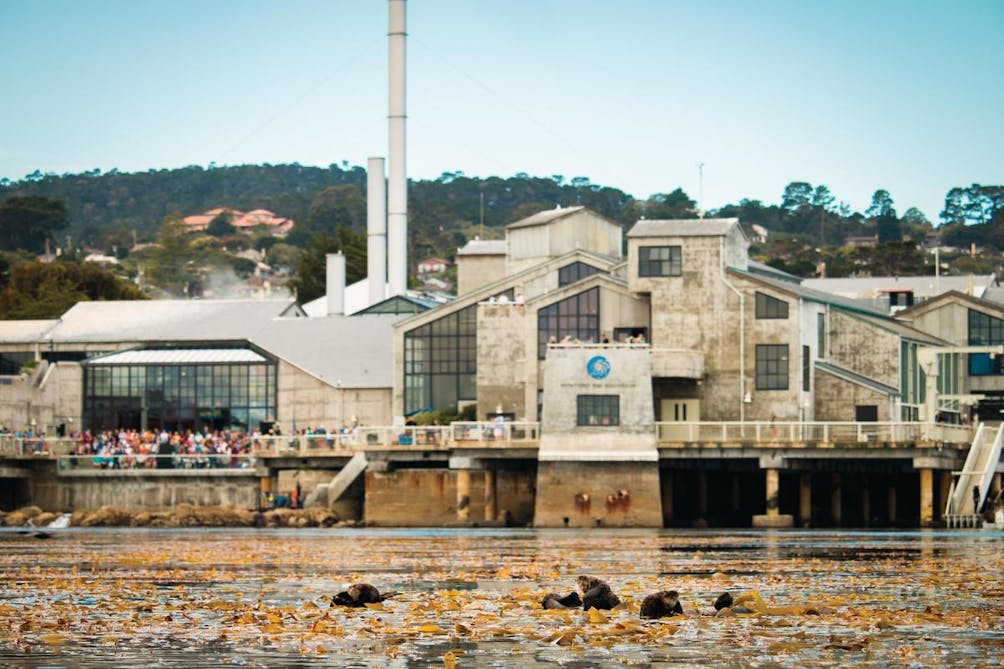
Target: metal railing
<point x="772" y="432"/>
<point x="496" y="432"/>
<point x="143" y="461"/>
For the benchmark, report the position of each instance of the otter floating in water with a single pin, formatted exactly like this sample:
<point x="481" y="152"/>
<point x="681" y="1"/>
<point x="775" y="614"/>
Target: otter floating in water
<point x="596" y="594"/>
<point x="569" y="601"/>
<point x="724" y="601"/>
<point x="361" y="594"/>
<point x="661" y="604"/>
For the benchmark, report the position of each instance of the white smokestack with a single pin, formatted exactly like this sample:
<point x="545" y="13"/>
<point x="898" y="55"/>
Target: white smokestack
<point x="334" y="279"/>
<point x="376" y="230"/>
<point x="397" y="179"/>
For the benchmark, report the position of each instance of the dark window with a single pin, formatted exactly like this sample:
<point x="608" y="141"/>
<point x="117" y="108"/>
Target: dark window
<point x="659" y="261"/>
<point x="770" y="307"/>
<point x="440" y="362"/>
<point x="985" y="330"/>
<point x="866" y="413"/>
<point x="577" y="317"/>
<point x="806" y="367"/>
<point x="575" y="272"/>
<point x="821" y="334"/>
<point x="771" y="366"/>
<point x="598" y="410"/>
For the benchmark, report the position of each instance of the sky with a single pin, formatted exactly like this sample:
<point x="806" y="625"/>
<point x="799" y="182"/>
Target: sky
<point x="905" y="96"/>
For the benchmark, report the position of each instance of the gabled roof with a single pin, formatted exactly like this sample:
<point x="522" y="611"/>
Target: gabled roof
<point x="810" y="294"/>
<point x="685" y="227"/>
<point x="177" y="356"/>
<point x="950" y="296"/>
<point x="546" y="216"/>
<point x="851" y="307"/>
<point x="494" y="288"/>
<point x="854" y="377"/>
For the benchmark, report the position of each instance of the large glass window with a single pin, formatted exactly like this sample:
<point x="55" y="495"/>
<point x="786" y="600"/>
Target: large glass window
<point x="179" y="397"/>
<point x="659" y="261"/>
<point x="598" y="410"/>
<point x="770" y="307"/>
<point x="771" y="366"/>
<point x="575" y="272"/>
<point x="440" y="362"/>
<point x="985" y="330"/>
<point x="576" y="317"/>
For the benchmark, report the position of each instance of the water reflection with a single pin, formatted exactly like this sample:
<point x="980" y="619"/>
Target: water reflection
<point x="99" y="597"/>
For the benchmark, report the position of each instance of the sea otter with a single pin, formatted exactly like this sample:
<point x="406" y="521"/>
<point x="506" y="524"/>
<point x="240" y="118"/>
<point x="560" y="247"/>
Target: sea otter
<point x="569" y="601"/>
<point x="661" y="604"/>
<point x="596" y="594"/>
<point x="361" y="594"/>
<point x="724" y="601"/>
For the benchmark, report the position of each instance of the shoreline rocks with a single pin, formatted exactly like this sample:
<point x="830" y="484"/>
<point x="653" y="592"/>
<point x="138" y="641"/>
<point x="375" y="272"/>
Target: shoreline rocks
<point x="183" y="515"/>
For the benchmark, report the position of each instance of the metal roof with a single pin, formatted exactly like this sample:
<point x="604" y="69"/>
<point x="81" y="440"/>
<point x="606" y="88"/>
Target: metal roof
<point x="178" y="356"/>
<point x="546" y="216"/>
<point x="19" y="332"/>
<point x="484" y="247"/>
<point x="922" y="286"/>
<point x="166" y="320"/>
<point x="854" y="377"/>
<point x="684" y="227"/>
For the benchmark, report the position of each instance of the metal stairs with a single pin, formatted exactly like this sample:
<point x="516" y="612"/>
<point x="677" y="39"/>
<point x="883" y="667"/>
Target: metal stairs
<point x="981" y="463"/>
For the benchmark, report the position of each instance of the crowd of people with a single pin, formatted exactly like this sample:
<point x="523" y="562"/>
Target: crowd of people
<point x="161" y="449"/>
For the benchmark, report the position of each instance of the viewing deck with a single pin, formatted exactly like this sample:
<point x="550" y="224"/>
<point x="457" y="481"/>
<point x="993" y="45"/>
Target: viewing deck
<point x="511" y="439"/>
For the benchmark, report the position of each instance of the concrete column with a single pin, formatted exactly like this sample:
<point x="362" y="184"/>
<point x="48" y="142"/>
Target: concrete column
<point x="836" y="511"/>
<point x="491" y="501"/>
<point x="926" y="497"/>
<point x="702" y="494"/>
<point x="995" y="486"/>
<point x="891" y="502"/>
<point x="945" y="489"/>
<point x="463" y="494"/>
<point x="773" y="487"/>
<point x="805" y="498"/>
<point x="866" y="507"/>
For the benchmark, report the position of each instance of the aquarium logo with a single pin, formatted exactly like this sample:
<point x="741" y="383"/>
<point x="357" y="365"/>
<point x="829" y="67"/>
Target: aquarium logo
<point x="598" y="367"/>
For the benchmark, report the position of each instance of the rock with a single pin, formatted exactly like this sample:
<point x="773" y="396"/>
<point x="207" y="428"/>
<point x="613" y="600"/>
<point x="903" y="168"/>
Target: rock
<point x="43" y="519"/>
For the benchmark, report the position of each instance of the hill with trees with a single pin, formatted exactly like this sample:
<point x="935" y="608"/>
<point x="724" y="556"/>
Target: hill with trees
<point x="136" y="217"/>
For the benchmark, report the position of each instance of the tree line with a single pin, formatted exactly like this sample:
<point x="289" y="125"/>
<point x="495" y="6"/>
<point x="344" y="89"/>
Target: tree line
<point x="115" y="211"/>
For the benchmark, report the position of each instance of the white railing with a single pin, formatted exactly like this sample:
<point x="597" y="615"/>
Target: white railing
<point x="496" y="432"/>
<point x="142" y="462"/>
<point x="771" y="432"/>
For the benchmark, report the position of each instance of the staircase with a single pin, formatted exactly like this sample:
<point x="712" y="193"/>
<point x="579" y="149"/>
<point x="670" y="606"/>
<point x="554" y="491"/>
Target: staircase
<point x="981" y="464"/>
<point x="330" y="493"/>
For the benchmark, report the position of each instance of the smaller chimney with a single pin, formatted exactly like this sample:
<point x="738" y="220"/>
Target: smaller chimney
<point x="334" y="275"/>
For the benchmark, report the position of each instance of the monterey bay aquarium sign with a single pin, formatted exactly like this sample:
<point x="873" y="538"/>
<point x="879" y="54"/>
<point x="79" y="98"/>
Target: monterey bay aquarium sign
<point x="180" y="389"/>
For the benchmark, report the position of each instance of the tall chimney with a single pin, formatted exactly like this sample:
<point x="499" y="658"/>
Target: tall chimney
<point x="376" y="230"/>
<point x="397" y="179"/>
<point x="334" y="279"/>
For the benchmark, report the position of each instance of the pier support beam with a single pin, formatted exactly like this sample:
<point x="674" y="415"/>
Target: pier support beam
<point x="666" y="489"/>
<point x="773" y="517"/>
<point x="891" y="503"/>
<point x="463" y="494"/>
<point x="805" y="498"/>
<point x="491" y="498"/>
<point x="836" y="510"/>
<point x="944" y="490"/>
<point x="926" y="497"/>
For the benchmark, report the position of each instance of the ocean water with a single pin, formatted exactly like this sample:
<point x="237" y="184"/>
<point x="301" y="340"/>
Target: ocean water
<point x="244" y="597"/>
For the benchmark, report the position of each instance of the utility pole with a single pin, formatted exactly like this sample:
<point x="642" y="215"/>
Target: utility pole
<point x="700" y="190"/>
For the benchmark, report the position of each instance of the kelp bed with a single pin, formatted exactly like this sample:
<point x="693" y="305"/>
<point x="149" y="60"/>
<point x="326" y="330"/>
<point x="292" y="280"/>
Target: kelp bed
<point x="125" y="597"/>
